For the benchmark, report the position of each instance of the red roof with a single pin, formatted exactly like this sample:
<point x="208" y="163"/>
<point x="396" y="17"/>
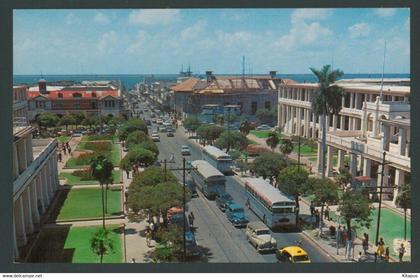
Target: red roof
<point x="67" y="94"/>
<point x="363" y="178"/>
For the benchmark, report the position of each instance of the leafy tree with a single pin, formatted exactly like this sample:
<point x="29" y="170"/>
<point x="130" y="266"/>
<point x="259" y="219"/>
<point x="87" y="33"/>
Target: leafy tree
<point x="116" y="120"/>
<point x="46" y="119"/>
<point x="325" y="192"/>
<point x="89" y="121"/>
<point x="235" y="154"/>
<point x="130" y="126"/>
<point x="266" y="115"/>
<point x="139" y="156"/>
<point x="326" y="101"/>
<point x="219" y="119"/>
<point x="171" y="245"/>
<point x="101" y="170"/>
<point x="245" y="127"/>
<point x="135" y="137"/>
<point x="101" y="243"/>
<point x="355" y="206"/>
<point x="272" y="140"/>
<point x="404" y="201"/>
<point x="67" y="120"/>
<point x="343" y="177"/>
<point x="268" y="165"/>
<point x="230" y="139"/>
<point x="286" y="146"/>
<point x="149" y="145"/>
<point x="78" y="118"/>
<point x="191" y="123"/>
<point x="209" y="133"/>
<point x="293" y="181"/>
<point x="151" y="176"/>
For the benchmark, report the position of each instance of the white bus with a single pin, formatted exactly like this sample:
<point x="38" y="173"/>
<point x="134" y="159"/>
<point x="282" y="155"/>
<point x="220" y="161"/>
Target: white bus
<point x="218" y="158"/>
<point x="208" y="179"/>
<point x="274" y="208"/>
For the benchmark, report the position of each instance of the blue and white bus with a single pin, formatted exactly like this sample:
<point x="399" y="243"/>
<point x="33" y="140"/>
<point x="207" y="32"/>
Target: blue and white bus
<point x="274" y="208"/>
<point x="218" y="158"/>
<point x="208" y="179"/>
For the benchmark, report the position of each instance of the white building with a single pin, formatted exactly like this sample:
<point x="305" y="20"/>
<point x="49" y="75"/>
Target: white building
<point x="34" y="171"/>
<point x="366" y="127"/>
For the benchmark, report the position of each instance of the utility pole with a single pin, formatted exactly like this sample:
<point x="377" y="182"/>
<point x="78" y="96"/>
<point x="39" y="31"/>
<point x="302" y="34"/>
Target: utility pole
<point x="380" y="198"/>
<point x="164" y="161"/>
<point x="183" y="201"/>
<point x="299" y="152"/>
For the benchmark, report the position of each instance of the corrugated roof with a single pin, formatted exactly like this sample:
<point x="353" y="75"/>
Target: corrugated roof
<point x="216" y="152"/>
<point x="68" y="94"/>
<point x="206" y="169"/>
<point x="268" y="192"/>
<point x="186" y="85"/>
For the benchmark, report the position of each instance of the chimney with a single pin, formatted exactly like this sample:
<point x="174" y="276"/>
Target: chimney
<point x="42" y="86"/>
<point x="273" y="73"/>
<point x="209" y="75"/>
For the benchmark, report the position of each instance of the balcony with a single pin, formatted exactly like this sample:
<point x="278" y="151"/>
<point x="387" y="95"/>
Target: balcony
<point x="295" y="102"/>
<point x="390" y="106"/>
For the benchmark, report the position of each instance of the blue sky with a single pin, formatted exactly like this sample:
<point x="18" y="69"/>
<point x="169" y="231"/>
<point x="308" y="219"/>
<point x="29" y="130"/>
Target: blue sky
<point x="159" y="41"/>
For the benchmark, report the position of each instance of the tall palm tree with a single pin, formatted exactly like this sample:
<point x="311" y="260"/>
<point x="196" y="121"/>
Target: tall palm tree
<point x="273" y="140"/>
<point x="326" y="101"/>
<point x="101" y="243"/>
<point x="404" y="201"/>
<point x="245" y="127"/>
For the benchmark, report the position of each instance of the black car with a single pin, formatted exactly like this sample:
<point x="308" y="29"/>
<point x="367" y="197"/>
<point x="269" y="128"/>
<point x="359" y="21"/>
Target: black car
<point x="191" y="187"/>
<point x="148" y="122"/>
<point x="222" y="200"/>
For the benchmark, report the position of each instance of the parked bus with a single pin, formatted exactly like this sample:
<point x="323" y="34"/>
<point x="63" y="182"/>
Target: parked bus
<point x="208" y="179"/>
<point x="274" y="208"/>
<point x="218" y="158"/>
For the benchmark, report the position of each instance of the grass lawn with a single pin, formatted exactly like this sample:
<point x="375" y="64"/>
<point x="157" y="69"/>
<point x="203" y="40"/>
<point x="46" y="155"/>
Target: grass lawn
<point x="75" y="180"/>
<point x="113" y="155"/>
<point x="63" y="139"/>
<point x="252" y="142"/>
<point x="305" y="150"/>
<point x="100" y="137"/>
<point x="72" y="245"/>
<point x="261" y="133"/>
<point x="86" y="203"/>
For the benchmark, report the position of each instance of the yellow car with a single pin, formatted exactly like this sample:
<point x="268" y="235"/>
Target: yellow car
<point x="292" y="254"/>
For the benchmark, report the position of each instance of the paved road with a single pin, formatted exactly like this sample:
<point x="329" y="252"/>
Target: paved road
<point x="218" y="239"/>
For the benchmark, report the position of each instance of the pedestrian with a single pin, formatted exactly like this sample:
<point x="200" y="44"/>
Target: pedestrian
<point x="152" y="229"/>
<point x="190" y="220"/>
<point x="339" y="235"/>
<point x="69" y="149"/>
<point x="67" y="145"/>
<point x="64" y="150"/>
<point x="310" y="168"/>
<point x="327" y="213"/>
<point x="317" y="217"/>
<point x="365" y="243"/>
<point x="148" y="236"/>
<point x="387" y="254"/>
<point x="401" y="252"/>
<point x="312" y="209"/>
<point x="133" y="260"/>
<point x="59" y="156"/>
<point x="128" y="173"/>
<point x="359" y="257"/>
<point x="345" y="236"/>
<point x="380" y="249"/>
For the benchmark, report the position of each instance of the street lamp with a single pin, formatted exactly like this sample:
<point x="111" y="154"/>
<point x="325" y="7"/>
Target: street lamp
<point x="380" y="196"/>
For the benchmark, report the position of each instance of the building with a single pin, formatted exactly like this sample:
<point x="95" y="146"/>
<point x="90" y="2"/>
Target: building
<point x="92" y="97"/>
<point x="35" y="175"/>
<point x="366" y="126"/>
<point x="250" y="93"/>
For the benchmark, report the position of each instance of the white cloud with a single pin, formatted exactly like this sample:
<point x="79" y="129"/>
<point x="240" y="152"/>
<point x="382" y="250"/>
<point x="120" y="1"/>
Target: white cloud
<point x="107" y="41"/>
<point x="193" y="31"/>
<point x="154" y="17"/>
<point x="385" y="12"/>
<point x="71" y="19"/>
<point x="229" y="39"/>
<point x="361" y="29"/>
<point x="139" y="43"/>
<point x="101" y="18"/>
<point x="309" y="15"/>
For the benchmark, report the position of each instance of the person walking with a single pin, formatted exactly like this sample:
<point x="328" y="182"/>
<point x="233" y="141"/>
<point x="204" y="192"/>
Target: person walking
<point x="327" y="213"/>
<point x="128" y="173"/>
<point x="67" y="145"/>
<point x="365" y="243"/>
<point x="59" y="156"/>
<point x="339" y="235"/>
<point x="312" y="209"/>
<point x="387" y="254"/>
<point x="64" y="150"/>
<point x="192" y="219"/>
<point x="401" y="252"/>
<point x="148" y="236"/>
<point x="69" y="149"/>
<point x="317" y="217"/>
<point x="380" y="249"/>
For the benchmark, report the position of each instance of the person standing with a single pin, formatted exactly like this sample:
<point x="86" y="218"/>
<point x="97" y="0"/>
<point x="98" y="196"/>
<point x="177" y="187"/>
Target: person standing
<point x="312" y="209"/>
<point x="67" y="145"/>
<point x="317" y="217"/>
<point x="59" y="156"/>
<point x="401" y="252"/>
<point x="128" y="173"/>
<point x="327" y="213"/>
<point x="192" y="219"/>
<point x="387" y="254"/>
<point x="69" y="149"/>
<point x="365" y="242"/>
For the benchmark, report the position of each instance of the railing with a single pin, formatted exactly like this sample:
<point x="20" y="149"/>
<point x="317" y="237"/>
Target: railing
<point x="20" y="121"/>
<point x="295" y="102"/>
<point x="397" y="106"/>
<point x="33" y="168"/>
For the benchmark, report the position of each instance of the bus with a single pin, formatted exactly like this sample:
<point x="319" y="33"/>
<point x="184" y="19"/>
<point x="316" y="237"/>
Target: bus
<point x="208" y="179"/>
<point x="276" y="209"/>
<point x="218" y="158"/>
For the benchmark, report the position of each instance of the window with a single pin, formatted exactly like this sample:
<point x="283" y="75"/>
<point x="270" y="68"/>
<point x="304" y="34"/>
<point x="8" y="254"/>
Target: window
<point x="60" y="95"/>
<point x="254" y="106"/>
<point x="93" y="105"/>
<point x="77" y="95"/>
<point x="93" y="94"/>
<point x="267" y="105"/>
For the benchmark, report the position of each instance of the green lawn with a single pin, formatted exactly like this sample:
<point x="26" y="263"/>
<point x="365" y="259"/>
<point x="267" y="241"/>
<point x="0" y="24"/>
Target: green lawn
<point x="63" y="139"/>
<point x="100" y="137"/>
<point x="113" y="155"/>
<point x="261" y="133"/>
<point x="305" y="150"/>
<point x="75" y="180"/>
<point x="86" y="203"/>
<point x="72" y="245"/>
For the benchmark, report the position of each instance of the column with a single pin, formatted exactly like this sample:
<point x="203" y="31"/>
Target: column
<point x="343" y="100"/>
<point x="34" y="202"/>
<point x="335" y="122"/>
<point x="342" y="122"/>
<point x="15" y="161"/>
<point x="27" y="210"/>
<point x="407" y="147"/>
<point x="294" y="124"/>
<point x="402" y="139"/>
<point x="299" y="121"/>
<point x="15" y="245"/>
<point x="319" y="127"/>
<point x="398" y="182"/>
<point x="385" y="177"/>
<point x="20" y="222"/>
<point x="279" y="115"/>
<point x="356" y="100"/>
<point x="353" y="164"/>
<point x="367" y="166"/>
<point x="330" y="158"/>
<point x="286" y="126"/>
<point x="350" y="123"/>
<point x="354" y="123"/>
<point x="319" y="153"/>
<point x="40" y="193"/>
<point x="385" y="137"/>
<point x="306" y="123"/>
<point x="313" y="125"/>
<point x="44" y="186"/>
<point x="340" y="159"/>
<point x="327" y="122"/>
<point x="351" y="100"/>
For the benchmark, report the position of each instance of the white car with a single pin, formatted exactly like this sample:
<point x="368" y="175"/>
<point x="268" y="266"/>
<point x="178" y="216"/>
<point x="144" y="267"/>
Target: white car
<point x="159" y="121"/>
<point x="155" y="137"/>
<point x="258" y="234"/>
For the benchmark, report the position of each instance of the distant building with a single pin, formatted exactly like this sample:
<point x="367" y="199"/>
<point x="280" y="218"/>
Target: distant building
<point x="366" y="126"/>
<point x="35" y="174"/>
<point x="250" y="93"/>
<point x="91" y="97"/>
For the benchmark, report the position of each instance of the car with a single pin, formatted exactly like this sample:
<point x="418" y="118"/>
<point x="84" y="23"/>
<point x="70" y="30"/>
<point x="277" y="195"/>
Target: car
<point x="159" y="121"/>
<point x="155" y="137"/>
<point x="191" y="188"/>
<point x="162" y="129"/>
<point x="223" y="199"/>
<point x="185" y="150"/>
<point x="192" y="249"/>
<point x="259" y="235"/>
<point x="154" y="120"/>
<point x="263" y="127"/>
<point x="170" y="134"/>
<point x="292" y="254"/>
<point x="146" y="110"/>
<point x="172" y="211"/>
<point x="76" y="133"/>
<point x="148" y="122"/>
<point x="236" y="215"/>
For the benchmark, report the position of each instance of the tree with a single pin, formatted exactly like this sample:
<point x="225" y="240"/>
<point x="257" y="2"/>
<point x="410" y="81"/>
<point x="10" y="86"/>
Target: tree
<point x="116" y="120"/>
<point x="355" y="206"/>
<point x="139" y="156"/>
<point x="268" y="165"/>
<point x="67" y="120"/>
<point x="230" y="139"/>
<point x="101" y="243"/>
<point x="235" y="154"/>
<point x="325" y="192"/>
<point x="404" y="201"/>
<point x="286" y="146"/>
<point x="245" y="127"/>
<point x="78" y="118"/>
<point x="101" y="170"/>
<point x="326" y="101"/>
<point x="130" y="126"/>
<point x="293" y="181"/>
<point x="209" y="133"/>
<point x="219" y="119"/>
<point x="135" y="137"/>
<point x="149" y="145"/>
<point x="46" y="120"/>
<point x="273" y="140"/>
<point x="191" y="123"/>
<point x="171" y="245"/>
<point x="88" y="120"/>
<point x="151" y="177"/>
<point x="266" y="115"/>
<point x="344" y="177"/>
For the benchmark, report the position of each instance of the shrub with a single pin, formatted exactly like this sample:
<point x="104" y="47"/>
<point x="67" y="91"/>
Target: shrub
<point x="84" y="159"/>
<point x="84" y="174"/>
<point x="101" y="147"/>
<point x="254" y="150"/>
<point x="99" y="137"/>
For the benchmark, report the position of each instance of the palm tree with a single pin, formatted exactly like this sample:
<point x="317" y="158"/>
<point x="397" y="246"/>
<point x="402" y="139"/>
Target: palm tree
<point x="101" y="170"/>
<point x="326" y="101"/>
<point x="101" y="243"/>
<point x="404" y="201"/>
<point x="245" y="127"/>
<point x="273" y="140"/>
<point x="286" y="146"/>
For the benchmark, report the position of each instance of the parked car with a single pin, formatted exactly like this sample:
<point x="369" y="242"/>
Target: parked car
<point x="292" y="254"/>
<point x="154" y="120"/>
<point x="185" y="150"/>
<point x="192" y="189"/>
<point x="170" y="134"/>
<point x="259" y="235"/>
<point x="236" y="215"/>
<point x="162" y="129"/>
<point x="155" y="137"/>
<point x="192" y="249"/>
<point x="148" y="122"/>
<point x="159" y="121"/>
<point x="223" y="199"/>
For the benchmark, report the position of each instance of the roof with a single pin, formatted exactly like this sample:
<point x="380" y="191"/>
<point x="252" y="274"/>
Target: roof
<point x="206" y="169"/>
<point x="185" y="86"/>
<point x="67" y="93"/>
<point x="257" y="225"/>
<point x="295" y="250"/>
<point x="216" y="152"/>
<point x="235" y="206"/>
<point x="268" y="192"/>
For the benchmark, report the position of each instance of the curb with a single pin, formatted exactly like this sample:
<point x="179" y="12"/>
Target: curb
<point x="85" y="219"/>
<point x="320" y="246"/>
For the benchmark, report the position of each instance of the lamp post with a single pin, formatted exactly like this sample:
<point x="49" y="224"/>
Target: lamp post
<point x="380" y="198"/>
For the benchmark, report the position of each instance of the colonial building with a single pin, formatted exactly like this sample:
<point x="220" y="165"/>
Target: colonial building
<point x="250" y="93"/>
<point x="92" y="97"/>
<point x="375" y="118"/>
<point x="34" y="172"/>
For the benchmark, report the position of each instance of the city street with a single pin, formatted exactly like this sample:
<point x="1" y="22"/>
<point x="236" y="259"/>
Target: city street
<point x="218" y="239"/>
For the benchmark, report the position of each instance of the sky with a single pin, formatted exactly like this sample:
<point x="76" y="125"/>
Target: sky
<point x="161" y="41"/>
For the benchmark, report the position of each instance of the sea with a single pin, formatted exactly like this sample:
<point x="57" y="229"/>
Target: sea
<point x="128" y="80"/>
